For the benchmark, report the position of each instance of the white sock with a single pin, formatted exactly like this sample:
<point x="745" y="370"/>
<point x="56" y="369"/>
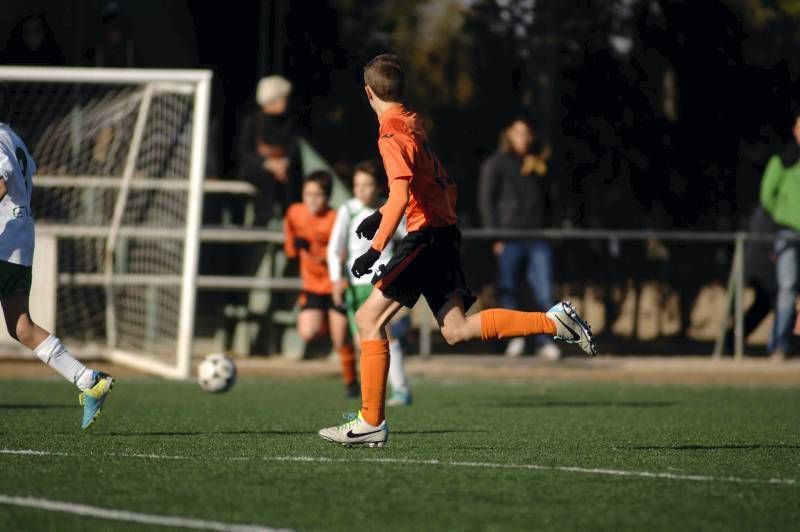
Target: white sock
<point x="397" y="373"/>
<point x="53" y="353"/>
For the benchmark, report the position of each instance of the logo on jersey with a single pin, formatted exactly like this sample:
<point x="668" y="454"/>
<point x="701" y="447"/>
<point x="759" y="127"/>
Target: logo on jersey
<point x="20" y="212"/>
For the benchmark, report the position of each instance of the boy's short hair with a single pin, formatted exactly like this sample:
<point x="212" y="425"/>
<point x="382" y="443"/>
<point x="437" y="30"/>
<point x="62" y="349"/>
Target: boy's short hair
<point x="322" y="178"/>
<point x="384" y="75"/>
<point x="367" y="167"/>
<point x="523" y="117"/>
<point x="370" y="167"/>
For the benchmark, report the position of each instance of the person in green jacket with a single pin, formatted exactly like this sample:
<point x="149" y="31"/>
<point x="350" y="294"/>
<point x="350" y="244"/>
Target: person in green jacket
<point x="780" y="196"/>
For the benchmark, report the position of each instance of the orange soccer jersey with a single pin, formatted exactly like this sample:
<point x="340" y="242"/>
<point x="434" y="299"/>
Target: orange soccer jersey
<point x="407" y="155"/>
<point x="316" y="229"/>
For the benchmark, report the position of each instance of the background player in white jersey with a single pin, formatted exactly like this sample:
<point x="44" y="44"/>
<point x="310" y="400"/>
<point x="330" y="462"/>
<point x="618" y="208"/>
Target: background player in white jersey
<point x="16" y="258"/>
<point x="344" y="246"/>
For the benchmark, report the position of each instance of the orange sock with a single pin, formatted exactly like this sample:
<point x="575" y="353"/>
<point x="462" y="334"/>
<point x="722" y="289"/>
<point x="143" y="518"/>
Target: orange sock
<point x="374" y="369"/>
<point x="347" y="355"/>
<point x="502" y="323"/>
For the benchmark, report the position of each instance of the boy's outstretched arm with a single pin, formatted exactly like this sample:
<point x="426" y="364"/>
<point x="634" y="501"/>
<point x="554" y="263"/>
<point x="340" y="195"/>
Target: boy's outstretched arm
<point x="392" y="212"/>
<point x="390" y="215"/>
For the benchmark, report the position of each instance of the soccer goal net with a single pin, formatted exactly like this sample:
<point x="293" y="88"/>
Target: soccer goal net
<point x="121" y="161"/>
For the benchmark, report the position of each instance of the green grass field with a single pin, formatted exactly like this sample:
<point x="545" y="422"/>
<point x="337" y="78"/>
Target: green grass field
<point x="612" y="457"/>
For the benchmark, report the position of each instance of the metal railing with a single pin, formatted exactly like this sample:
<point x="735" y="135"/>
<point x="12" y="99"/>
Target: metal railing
<point x="231" y="235"/>
<point x="736" y="281"/>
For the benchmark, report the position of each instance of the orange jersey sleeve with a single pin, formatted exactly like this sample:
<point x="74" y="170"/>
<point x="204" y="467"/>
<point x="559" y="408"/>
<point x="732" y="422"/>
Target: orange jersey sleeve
<point x="392" y="213"/>
<point x="407" y="155"/>
<point x="397" y="152"/>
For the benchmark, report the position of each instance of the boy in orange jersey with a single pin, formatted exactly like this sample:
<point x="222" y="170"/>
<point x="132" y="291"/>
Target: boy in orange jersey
<point x="308" y="227"/>
<point x="426" y="262"/>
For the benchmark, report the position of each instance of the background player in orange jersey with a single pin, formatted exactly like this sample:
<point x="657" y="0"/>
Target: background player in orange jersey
<point x="426" y="261"/>
<point x="308" y="227"/>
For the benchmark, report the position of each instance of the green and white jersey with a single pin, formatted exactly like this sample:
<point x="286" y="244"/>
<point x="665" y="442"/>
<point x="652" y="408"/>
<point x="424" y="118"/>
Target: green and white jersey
<point x="344" y="247"/>
<point x="16" y="222"/>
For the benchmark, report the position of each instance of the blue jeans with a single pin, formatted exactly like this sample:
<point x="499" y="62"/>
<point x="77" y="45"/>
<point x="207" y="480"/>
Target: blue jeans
<point x="788" y="273"/>
<point x="537" y="257"/>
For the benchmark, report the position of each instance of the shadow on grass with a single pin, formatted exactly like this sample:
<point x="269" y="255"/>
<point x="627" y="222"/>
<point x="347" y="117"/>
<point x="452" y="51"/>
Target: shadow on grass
<point x="38" y="407"/>
<point x="426" y="432"/>
<point x="697" y="447"/>
<point x="210" y="433"/>
<point x="267" y="432"/>
<point x="539" y="403"/>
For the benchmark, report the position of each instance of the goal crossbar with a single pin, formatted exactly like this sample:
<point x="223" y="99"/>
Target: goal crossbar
<point x="143" y="183"/>
<point x="104" y="75"/>
<point x="122" y="155"/>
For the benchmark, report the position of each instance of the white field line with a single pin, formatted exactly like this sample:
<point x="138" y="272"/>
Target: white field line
<point x="32" y="452"/>
<point x="443" y="463"/>
<point x="568" y="469"/>
<point x="130" y="517"/>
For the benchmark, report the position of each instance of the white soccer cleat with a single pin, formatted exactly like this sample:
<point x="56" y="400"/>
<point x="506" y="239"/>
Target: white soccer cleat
<point x="571" y="328"/>
<point x="357" y="432"/>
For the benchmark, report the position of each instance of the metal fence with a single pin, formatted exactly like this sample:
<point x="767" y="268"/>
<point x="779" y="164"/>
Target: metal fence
<point x="238" y="235"/>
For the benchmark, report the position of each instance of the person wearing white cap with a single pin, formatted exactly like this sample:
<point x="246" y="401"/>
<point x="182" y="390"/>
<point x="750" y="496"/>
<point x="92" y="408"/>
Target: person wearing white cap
<point x="267" y="149"/>
<point x="272" y="94"/>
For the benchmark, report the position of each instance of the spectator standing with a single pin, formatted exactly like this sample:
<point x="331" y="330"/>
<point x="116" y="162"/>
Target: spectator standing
<point x="115" y="47"/>
<point x="759" y="273"/>
<point x="513" y="195"/>
<point x="32" y="43"/>
<point x="780" y="196"/>
<point x="268" y="151"/>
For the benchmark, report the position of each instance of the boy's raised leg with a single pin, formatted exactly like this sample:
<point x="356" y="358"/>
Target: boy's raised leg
<point x="94" y="385"/>
<point x="561" y="321"/>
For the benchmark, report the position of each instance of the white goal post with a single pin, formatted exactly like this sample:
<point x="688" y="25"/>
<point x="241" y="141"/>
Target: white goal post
<point x="121" y="160"/>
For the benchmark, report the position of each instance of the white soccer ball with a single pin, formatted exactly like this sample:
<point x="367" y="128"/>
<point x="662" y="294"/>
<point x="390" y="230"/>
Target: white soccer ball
<point x="216" y="373"/>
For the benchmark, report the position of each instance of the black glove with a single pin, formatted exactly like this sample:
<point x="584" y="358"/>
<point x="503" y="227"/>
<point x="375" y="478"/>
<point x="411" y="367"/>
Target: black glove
<point x="369" y="225"/>
<point x="301" y="243"/>
<point x="362" y="264"/>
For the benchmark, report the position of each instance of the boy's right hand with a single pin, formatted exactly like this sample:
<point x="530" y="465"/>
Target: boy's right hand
<point x="363" y="264"/>
<point x="369" y="225"/>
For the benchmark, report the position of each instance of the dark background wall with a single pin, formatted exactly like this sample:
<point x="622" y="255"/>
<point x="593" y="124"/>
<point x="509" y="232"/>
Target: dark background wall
<point x="657" y="110"/>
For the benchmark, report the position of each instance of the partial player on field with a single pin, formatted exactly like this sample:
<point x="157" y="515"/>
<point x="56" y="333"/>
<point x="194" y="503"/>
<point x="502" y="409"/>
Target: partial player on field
<point x="17" y="168"/>
<point x="343" y="249"/>
<point x="307" y="227"/>
<point x="426" y="262"/>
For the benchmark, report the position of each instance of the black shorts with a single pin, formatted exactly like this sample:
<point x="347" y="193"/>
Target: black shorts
<point x="14" y="278"/>
<point x="427" y="263"/>
<point x="310" y="300"/>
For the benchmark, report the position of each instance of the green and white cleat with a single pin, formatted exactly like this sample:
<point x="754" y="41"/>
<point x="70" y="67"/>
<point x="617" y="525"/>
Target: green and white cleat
<point x="356" y="432"/>
<point x="93" y="398"/>
<point x="571" y="328"/>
